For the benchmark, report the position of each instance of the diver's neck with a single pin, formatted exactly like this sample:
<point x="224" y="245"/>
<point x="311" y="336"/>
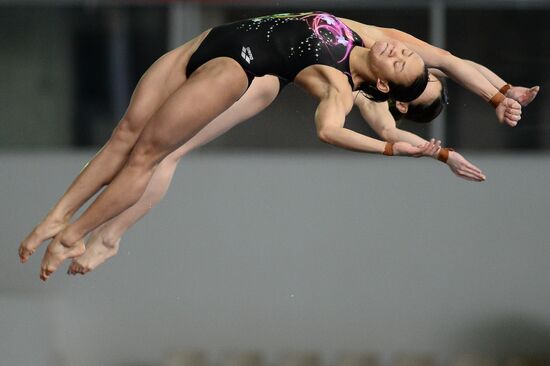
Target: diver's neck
<point x="359" y="66"/>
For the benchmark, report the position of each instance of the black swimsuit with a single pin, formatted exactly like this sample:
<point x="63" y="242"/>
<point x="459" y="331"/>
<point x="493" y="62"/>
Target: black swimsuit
<point x="280" y="45"/>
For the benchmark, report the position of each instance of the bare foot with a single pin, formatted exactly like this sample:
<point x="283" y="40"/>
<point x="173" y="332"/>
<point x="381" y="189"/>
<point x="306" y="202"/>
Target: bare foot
<point x="47" y="229"/>
<point x="98" y="250"/>
<point x="56" y="254"/>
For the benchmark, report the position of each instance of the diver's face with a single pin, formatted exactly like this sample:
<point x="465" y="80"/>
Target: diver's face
<point x="393" y="61"/>
<point x="430" y="94"/>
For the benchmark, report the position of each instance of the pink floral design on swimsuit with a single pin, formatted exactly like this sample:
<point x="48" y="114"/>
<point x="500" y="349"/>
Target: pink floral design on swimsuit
<point x="341" y="34"/>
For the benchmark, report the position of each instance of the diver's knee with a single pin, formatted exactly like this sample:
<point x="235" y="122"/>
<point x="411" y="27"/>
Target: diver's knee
<point x="125" y="135"/>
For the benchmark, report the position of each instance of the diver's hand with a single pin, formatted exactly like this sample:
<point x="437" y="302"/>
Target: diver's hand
<point x="430" y="148"/>
<point x="523" y="95"/>
<point x="509" y="112"/>
<point x="463" y="168"/>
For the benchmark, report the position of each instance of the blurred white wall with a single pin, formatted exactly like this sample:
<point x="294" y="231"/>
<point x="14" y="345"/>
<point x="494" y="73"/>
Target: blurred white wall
<point x="331" y="251"/>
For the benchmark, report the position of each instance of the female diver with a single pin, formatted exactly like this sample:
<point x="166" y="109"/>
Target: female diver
<point x="327" y="56"/>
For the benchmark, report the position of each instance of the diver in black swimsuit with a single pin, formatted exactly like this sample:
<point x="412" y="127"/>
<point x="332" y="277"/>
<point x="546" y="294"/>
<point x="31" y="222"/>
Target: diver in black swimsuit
<point x="323" y="55"/>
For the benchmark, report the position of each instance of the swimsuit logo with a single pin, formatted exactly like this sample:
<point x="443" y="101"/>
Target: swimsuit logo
<point x="247" y="54"/>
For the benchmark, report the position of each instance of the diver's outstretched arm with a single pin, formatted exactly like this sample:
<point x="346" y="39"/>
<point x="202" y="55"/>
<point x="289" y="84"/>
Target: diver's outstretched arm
<point x="329" y="121"/>
<point x="378" y="116"/>
<point x="520" y="94"/>
<point x="507" y="109"/>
